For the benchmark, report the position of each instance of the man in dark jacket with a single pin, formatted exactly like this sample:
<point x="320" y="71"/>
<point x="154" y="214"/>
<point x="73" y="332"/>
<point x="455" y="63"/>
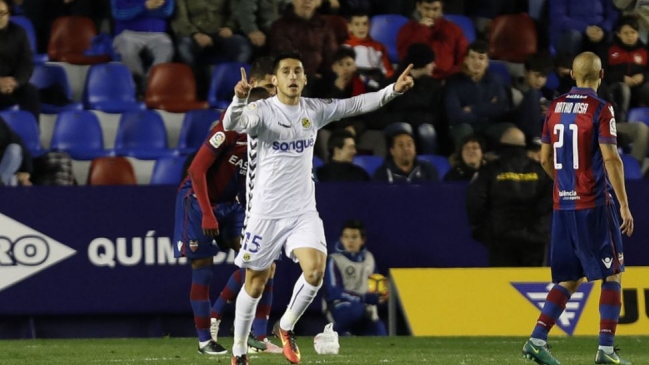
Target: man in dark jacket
<point x="15" y="160"/>
<point x="509" y="206"/>
<point x="402" y="165"/>
<point x="342" y="149"/>
<point x="16" y="66"/>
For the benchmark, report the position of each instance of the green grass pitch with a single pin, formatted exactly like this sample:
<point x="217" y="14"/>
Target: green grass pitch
<point x="354" y="350"/>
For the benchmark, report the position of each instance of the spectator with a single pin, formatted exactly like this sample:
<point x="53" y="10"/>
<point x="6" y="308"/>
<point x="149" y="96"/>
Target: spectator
<point x="348" y="304"/>
<point x="638" y="9"/>
<point x="530" y="112"/>
<point x="371" y="56"/>
<point x="483" y="11"/>
<point x="509" y="206"/>
<point x="341" y="168"/>
<point x="15" y="160"/>
<point x="255" y="19"/>
<point x="476" y="100"/>
<point x="141" y="25"/>
<point x="300" y="28"/>
<point x="402" y="166"/>
<point x="471" y="159"/>
<point x="206" y="31"/>
<point x="16" y="65"/>
<point x="580" y="25"/>
<point x="443" y="36"/>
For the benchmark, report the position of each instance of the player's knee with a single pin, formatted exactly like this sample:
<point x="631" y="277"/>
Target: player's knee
<point x="314" y="275"/>
<point x="615" y="277"/>
<point x="272" y="270"/>
<point x="199" y="263"/>
<point x="571" y="286"/>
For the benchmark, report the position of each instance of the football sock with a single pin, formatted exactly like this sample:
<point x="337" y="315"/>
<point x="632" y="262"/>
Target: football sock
<point x="555" y="303"/>
<point x="610" y="303"/>
<point x="260" y="324"/>
<point x="229" y="293"/>
<point x="243" y="316"/>
<point x="199" y="296"/>
<point x="303" y="294"/>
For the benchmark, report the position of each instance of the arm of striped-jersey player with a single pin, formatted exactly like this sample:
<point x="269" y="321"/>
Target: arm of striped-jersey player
<point x="336" y="109"/>
<point x="242" y="118"/>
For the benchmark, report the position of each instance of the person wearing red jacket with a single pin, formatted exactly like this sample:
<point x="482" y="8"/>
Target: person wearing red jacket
<point x="443" y="36"/>
<point x="371" y="56"/>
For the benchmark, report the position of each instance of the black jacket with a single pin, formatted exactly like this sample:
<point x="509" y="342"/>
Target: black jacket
<point x="16" y="59"/>
<point x="7" y="137"/>
<point x="422" y="172"/>
<point x="341" y="171"/>
<point x="511" y="200"/>
<point x="460" y="172"/>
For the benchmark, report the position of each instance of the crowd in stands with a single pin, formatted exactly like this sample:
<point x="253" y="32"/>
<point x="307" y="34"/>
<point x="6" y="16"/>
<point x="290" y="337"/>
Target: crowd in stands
<point x="472" y="81"/>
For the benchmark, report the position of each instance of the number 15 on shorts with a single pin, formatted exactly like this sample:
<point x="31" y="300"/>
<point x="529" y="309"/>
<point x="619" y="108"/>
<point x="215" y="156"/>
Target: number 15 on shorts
<point x="252" y="245"/>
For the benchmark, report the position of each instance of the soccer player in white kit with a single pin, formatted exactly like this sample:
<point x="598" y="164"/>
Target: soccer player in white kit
<point x="281" y="209"/>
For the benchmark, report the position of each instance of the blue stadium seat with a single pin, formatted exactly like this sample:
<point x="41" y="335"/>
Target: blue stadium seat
<point x="638" y="115"/>
<point x="369" y="163"/>
<point x="79" y="134"/>
<point x="168" y="170"/>
<point x="385" y="28"/>
<point x="39" y="58"/>
<point x="394" y="127"/>
<point x="440" y="162"/>
<point x="224" y="77"/>
<point x="195" y="129"/>
<point x="50" y="75"/>
<point x="632" y="168"/>
<point x="24" y="124"/>
<point x="142" y="135"/>
<point x="500" y="68"/>
<point x="111" y="89"/>
<point x="465" y="23"/>
<point x="317" y="162"/>
<point x="553" y="81"/>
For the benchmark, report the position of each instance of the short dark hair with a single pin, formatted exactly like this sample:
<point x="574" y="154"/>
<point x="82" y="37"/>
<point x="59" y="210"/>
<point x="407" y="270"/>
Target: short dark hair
<point x="294" y="54"/>
<point x="337" y="140"/>
<point x="629" y="20"/>
<point x="478" y="46"/>
<point x="261" y="67"/>
<point x="392" y="137"/>
<point x="538" y="62"/>
<point x="355" y="224"/>
<point x="257" y="93"/>
<point x="342" y="53"/>
<point x="359" y="13"/>
<point x="471" y="138"/>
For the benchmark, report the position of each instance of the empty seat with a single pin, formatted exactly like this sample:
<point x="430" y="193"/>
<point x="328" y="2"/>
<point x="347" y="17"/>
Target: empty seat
<point x="27" y="25"/>
<point x="24" y="124"/>
<point x="79" y="134"/>
<point x="632" y="168"/>
<point x="168" y="170"/>
<point x="384" y="28"/>
<point x="114" y="170"/>
<point x="111" y="89"/>
<point x="224" y="77"/>
<point x="465" y="23"/>
<point x="500" y="69"/>
<point x="512" y="38"/>
<point x="56" y="94"/>
<point x="638" y="115"/>
<point x="195" y="129"/>
<point x="141" y="135"/>
<point x="172" y="87"/>
<point x="440" y="162"/>
<point x="369" y="163"/>
<point x="70" y="37"/>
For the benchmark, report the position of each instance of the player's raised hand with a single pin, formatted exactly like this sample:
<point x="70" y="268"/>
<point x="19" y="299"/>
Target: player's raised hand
<point x="405" y="81"/>
<point x="242" y="88"/>
<point x="627" y="221"/>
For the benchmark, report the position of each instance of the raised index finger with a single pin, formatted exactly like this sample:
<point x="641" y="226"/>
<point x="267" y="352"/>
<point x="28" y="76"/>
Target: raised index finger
<point x="244" y="78"/>
<point x="406" y="72"/>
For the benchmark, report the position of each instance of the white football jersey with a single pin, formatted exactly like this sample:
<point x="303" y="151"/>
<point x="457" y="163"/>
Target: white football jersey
<point x="280" y="147"/>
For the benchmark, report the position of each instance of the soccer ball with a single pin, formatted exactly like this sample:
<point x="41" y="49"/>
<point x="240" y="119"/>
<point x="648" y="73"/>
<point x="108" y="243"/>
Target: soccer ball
<point x="377" y="283"/>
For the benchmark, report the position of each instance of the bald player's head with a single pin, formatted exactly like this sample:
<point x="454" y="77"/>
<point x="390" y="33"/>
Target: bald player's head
<point x="513" y="137"/>
<point x="587" y="68"/>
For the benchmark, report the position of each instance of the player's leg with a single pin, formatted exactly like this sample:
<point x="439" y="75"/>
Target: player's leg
<point x="246" y="307"/>
<point x="227" y="295"/>
<point x="260" y="323"/>
<point x="199" y="295"/>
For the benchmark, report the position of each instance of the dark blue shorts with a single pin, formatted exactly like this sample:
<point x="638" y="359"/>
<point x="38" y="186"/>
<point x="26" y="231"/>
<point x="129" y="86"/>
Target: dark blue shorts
<point x="189" y="240"/>
<point x="586" y="243"/>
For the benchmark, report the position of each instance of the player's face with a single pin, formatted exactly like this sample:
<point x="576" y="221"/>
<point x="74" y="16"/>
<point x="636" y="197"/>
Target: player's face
<point x="535" y="79"/>
<point x="266" y="83"/>
<point x="430" y="10"/>
<point x="359" y="26"/>
<point x="352" y="240"/>
<point x="403" y="149"/>
<point x="347" y="152"/>
<point x="290" y="78"/>
<point x="472" y="154"/>
<point x="4" y="15"/>
<point x="628" y="35"/>
<point x="476" y="63"/>
<point x="305" y="8"/>
<point x="344" y="68"/>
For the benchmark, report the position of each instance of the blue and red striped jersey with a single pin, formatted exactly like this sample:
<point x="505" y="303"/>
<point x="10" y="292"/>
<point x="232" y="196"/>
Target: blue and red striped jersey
<point x="575" y="125"/>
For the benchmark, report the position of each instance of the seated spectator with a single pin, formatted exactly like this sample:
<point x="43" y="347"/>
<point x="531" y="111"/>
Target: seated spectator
<point x="371" y="56"/>
<point x="483" y="11"/>
<point x="476" y="100"/>
<point x="141" y="25"/>
<point x="443" y="36"/>
<point x="580" y="25"/>
<point x="529" y="114"/>
<point x="470" y="160"/>
<point x="15" y="160"/>
<point x="341" y="168"/>
<point x="402" y="165"/>
<point x="638" y="9"/>
<point x="16" y="66"/>
<point x="206" y="32"/>
<point x="348" y="304"/>
<point x="255" y="18"/>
